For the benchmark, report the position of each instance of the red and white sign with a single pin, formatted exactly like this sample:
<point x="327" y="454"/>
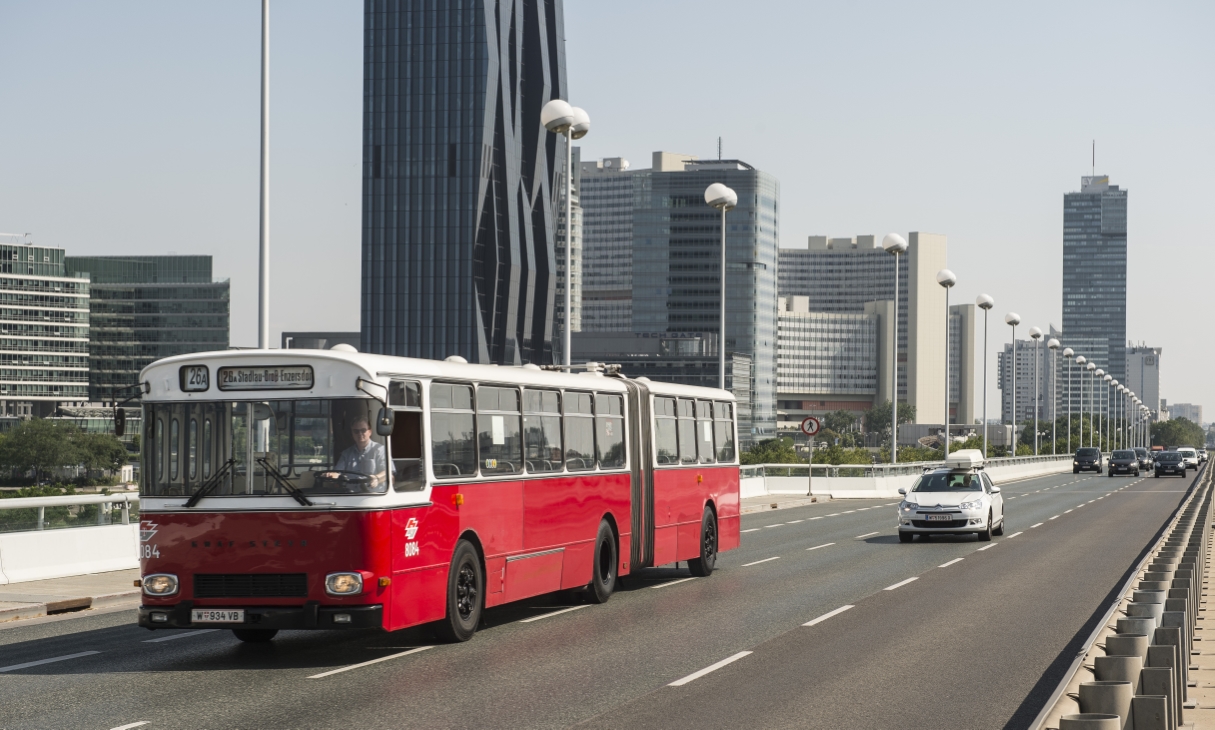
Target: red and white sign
<point x="811" y="425"/>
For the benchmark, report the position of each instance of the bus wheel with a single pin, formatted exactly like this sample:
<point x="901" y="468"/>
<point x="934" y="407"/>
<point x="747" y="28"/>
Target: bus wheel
<point x="603" y="575"/>
<point x="701" y="567"/>
<point x="465" y="585"/>
<point x="255" y="636"/>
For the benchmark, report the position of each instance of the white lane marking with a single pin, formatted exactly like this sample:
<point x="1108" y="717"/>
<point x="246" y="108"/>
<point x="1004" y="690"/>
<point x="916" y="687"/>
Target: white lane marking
<point x="710" y="668"/>
<point x="373" y="661"/>
<point x="757" y="562"/>
<point x="817" y="518"/>
<point x="868" y="534"/>
<point x="15" y="667"/>
<point x="826" y="544"/>
<point x="1052" y="518"/>
<point x="141" y="723"/>
<point x="1012" y="535"/>
<point x="1037" y="525"/>
<point x="670" y="583"/>
<point x="1090" y="501"/>
<point x="862" y="509"/>
<point x="951" y="562"/>
<point x="989" y="547"/>
<point x="753" y="529"/>
<point x="553" y="613"/>
<point x="826" y="616"/>
<point x="834" y="515"/>
<point x="890" y="505"/>
<point x="848" y="512"/>
<point x="900" y="584"/>
<point x="772" y="525"/>
<point x="178" y="636"/>
<point x="1066" y="511"/>
<point x="794" y="522"/>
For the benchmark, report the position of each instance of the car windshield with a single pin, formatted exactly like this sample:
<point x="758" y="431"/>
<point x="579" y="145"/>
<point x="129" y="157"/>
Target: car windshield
<point x="1168" y="456"/>
<point x="1141" y="452"/>
<point x="1124" y="454"/>
<point x="948" y="482"/>
<point x="1086" y="453"/>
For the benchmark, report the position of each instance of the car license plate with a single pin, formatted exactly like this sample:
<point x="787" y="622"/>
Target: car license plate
<point x="217" y="615"/>
<point x="939" y="518"/>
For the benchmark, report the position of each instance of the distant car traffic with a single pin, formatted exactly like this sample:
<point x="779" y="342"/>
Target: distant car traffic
<point x="1124" y="461"/>
<point x="959" y="499"/>
<point x="1190" y="455"/>
<point x="1169" y="462"/>
<point x="1145" y="457"/>
<point x="1087" y="458"/>
<point x="1202" y="455"/>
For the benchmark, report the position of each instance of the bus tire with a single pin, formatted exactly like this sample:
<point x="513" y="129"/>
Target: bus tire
<point x="465" y="591"/>
<point x="603" y="570"/>
<point x="255" y="636"/>
<point x="702" y="566"/>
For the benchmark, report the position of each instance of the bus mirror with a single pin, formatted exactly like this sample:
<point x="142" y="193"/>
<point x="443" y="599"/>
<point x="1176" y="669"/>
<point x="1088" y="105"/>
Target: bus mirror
<point x="120" y="422"/>
<point x="262" y="412"/>
<point x="384" y="422"/>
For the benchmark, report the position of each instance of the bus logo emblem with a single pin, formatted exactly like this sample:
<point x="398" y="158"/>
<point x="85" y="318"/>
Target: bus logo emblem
<point x="411" y="528"/>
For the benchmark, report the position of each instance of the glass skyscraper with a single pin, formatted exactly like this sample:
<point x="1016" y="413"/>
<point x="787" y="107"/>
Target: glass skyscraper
<point x="458" y="178"/>
<point x="1094" y="274"/>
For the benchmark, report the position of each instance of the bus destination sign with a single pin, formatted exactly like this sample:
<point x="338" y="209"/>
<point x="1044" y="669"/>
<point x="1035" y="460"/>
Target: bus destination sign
<point x="291" y="377"/>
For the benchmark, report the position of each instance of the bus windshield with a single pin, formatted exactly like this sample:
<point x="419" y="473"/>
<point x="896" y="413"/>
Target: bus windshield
<point x="260" y="447"/>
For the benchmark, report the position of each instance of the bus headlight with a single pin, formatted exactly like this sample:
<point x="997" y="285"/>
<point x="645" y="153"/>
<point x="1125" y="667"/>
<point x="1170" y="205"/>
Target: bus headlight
<point x="160" y="584"/>
<point x="343" y="584"/>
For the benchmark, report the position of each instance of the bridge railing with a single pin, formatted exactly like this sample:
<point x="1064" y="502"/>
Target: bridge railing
<point x="21" y="514"/>
<point x="53" y="537"/>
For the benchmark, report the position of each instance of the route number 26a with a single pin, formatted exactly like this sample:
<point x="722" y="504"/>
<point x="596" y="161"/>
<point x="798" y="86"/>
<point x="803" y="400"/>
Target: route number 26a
<point x="151" y="551"/>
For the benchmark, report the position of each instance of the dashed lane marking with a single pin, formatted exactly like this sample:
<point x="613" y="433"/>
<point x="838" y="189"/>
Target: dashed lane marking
<point x="1052" y="518"/>
<point x="711" y="668"/>
<point x="772" y="525"/>
<point x="1064" y="512"/>
<point x="178" y="636"/>
<point x="988" y="547"/>
<point x="817" y="518"/>
<point x="375" y="661"/>
<point x="1012" y="536"/>
<point x="951" y="562"/>
<point x="757" y="562"/>
<point x="25" y="665"/>
<point x="673" y="582"/>
<point x="753" y="529"/>
<point x="826" y="616"/>
<point x="826" y="544"/>
<point x="848" y="512"/>
<point x="1037" y="525"/>
<point x="901" y="583"/>
<point x="547" y="615"/>
<point x="128" y="726"/>
<point x="834" y="515"/>
<point x="868" y="534"/>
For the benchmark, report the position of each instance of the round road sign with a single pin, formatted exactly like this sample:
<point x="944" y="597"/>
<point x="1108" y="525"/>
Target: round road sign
<point x="810" y="425"/>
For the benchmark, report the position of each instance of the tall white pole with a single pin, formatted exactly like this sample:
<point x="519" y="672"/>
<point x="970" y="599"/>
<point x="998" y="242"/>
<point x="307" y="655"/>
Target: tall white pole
<point x="263" y="268"/>
<point x="1016" y="435"/>
<point x="721" y="319"/>
<point x="569" y="243"/>
<point x="894" y="372"/>
<point x="1037" y="388"/>
<point x="946" y="451"/>
<point x="985" y="311"/>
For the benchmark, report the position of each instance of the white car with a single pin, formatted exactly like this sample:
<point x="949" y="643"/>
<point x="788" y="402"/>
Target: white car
<point x="959" y="499"/>
<point x="1189" y="455"/>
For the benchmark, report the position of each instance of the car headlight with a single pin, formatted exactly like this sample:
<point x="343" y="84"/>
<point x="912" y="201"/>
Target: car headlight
<point x="343" y="584"/>
<point x="908" y="507"/>
<point x="977" y="504"/>
<point x="160" y="584"/>
<point x="1074" y="461"/>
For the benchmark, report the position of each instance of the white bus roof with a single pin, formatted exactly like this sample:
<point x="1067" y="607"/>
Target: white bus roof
<point x="335" y="372"/>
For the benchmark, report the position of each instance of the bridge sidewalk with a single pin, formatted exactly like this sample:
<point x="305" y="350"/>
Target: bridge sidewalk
<point x="36" y="598"/>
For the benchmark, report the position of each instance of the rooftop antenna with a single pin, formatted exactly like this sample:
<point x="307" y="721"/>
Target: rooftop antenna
<point x="719" y="149"/>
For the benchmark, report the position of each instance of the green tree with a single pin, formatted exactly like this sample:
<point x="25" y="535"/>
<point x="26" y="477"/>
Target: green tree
<point x="877" y="419"/>
<point x="41" y="445"/>
<point x="1178" y="432"/>
<point x="102" y="452"/>
<point x="839" y="421"/>
<point x="771" y="451"/>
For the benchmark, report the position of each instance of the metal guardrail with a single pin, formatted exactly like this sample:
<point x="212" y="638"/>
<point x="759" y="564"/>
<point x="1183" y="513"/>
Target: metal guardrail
<point x="880" y="470"/>
<point x="105" y="514"/>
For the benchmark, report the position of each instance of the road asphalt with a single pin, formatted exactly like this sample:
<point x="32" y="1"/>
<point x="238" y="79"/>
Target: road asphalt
<point x="951" y="633"/>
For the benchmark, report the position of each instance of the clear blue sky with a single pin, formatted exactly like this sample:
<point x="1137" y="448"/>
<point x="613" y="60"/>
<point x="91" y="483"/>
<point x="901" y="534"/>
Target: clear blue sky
<point x="132" y="127"/>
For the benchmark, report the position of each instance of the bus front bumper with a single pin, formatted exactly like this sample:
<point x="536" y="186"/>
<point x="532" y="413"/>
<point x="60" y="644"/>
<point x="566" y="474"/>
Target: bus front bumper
<point x="311" y="615"/>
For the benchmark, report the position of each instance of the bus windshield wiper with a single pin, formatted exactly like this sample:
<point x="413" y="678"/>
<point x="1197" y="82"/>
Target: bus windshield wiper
<point x="211" y="483"/>
<point x="286" y="485"/>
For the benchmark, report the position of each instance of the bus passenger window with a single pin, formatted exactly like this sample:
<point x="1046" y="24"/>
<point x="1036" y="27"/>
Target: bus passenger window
<point x="666" y="443"/>
<point x="687" y="433"/>
<point x="452" y="443"/>
<point x="609" y="431"/>
<point x="173" y="449"/>
<point x="542" y="430"/>
<point x="723" y="430"/>
<point x="704" y="432"/>
<point x="206" y="449"/>
<point x="499" y="441"/>
<point x="407" y="466"/>
<point x="192" y="451"/>
<point x="579" y="432"/>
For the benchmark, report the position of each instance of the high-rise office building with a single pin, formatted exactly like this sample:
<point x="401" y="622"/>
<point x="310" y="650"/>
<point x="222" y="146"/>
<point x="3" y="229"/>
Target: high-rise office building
<point x="1094" y="273"/>
<point x="44" y="332"/>
<point x="144" y="308"/>
<point x="606" y="196"/>
<point x="1029" y="397"/>
<point x="1143" y="375"/>
<point x="458" y="178"/>
<point x="1188" y="411"/>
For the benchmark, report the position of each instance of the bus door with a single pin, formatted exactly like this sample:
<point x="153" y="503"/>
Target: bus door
<point x="642" y="467"/>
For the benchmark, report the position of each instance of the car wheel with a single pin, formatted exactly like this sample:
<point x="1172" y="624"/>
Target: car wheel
<point x="905" y="536"/>
<point x="985" y="535"/>
<point x="465" y="588"/>
<point x="603" y="573"/>
<point x="999" y="529"/>
<point x="255" y="636"/>
<point x="701" y="567"/>
<point x="1075" y="471"/>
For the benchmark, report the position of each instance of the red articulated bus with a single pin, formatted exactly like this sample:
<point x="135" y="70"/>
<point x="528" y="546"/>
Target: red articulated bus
<point x="323" y="489"/>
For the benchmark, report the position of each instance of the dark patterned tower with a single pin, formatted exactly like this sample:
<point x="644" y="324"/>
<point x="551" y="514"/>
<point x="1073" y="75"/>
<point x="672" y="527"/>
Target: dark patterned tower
<point x="458" y="178"/>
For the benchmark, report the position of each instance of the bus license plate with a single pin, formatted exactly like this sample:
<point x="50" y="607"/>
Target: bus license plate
<point x="939" y="518"/>
<point x="217" y="615"/>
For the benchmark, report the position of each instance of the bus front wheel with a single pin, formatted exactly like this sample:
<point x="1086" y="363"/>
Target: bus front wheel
<point x="465" y="586"/>
<point x="603" y="574"/>
<point x="702" y="566"/>
<point x="255" y="636"/>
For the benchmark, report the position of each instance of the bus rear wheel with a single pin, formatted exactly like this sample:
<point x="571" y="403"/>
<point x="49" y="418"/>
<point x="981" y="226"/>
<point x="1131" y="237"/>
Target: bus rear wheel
<point x="255" y="636"/>
<point x="603" y="574"/>
<point x="702" y="566"/>
<point x="465" y="588"/>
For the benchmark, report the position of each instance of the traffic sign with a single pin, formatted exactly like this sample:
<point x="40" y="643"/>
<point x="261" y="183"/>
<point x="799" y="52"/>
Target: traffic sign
<point x="811" y="425"/>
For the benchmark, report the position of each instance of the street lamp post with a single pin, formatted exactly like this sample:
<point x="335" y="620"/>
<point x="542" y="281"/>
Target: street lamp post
<point x="1036" y="335"/>
<point x="1068" y="354"/>
<point x="895" y="244"/>
<point x="1098" y="374"/>
<point x="1110" y="410"/>
<point x="263" y="254"/>
<point x="985" y="302"/>
<point x="1013" y="319"/>
<point x="946" y="279"/>
<point x="1081" y="362"/>
<point x="723" y="198"/>
<point x="1053" y="345"/>
<point x="559" y="117"/>
<point x="1091" y="367"/>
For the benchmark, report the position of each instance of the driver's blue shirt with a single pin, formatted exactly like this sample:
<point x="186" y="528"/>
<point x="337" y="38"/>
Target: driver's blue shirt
<point x="369" y="461"/>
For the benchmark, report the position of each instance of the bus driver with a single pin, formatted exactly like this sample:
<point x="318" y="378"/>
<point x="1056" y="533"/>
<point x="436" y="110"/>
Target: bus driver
<point x="364" y="456"/>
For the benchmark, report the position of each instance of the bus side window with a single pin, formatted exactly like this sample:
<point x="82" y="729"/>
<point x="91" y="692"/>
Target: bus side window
<point x="407" y="465"/>
<point x="542" y="430"/>
<point x="579" y="432"/>
<point x="666" y="442"/>
<point x="704" y="432"/>
<point x="687" y="432"/>
<point x="453" y="445"/>
<point x="609" y="431"/>
<point x="499" y="432"/>
<point x="723" y="431"/>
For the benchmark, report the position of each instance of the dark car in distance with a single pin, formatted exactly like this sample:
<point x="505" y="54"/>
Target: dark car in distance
<point x="1124" y="461"/>
<point x="1170" y="462"/>
<point x="1145" y="457"/>
<point x="1087" y="458"/>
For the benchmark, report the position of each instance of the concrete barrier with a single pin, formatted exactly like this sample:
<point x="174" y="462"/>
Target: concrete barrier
<point x="39" y="553"/>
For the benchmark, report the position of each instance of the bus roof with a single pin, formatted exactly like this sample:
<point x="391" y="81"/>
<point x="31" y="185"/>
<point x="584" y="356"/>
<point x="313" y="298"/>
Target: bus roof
<point x="346" y="366"/>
